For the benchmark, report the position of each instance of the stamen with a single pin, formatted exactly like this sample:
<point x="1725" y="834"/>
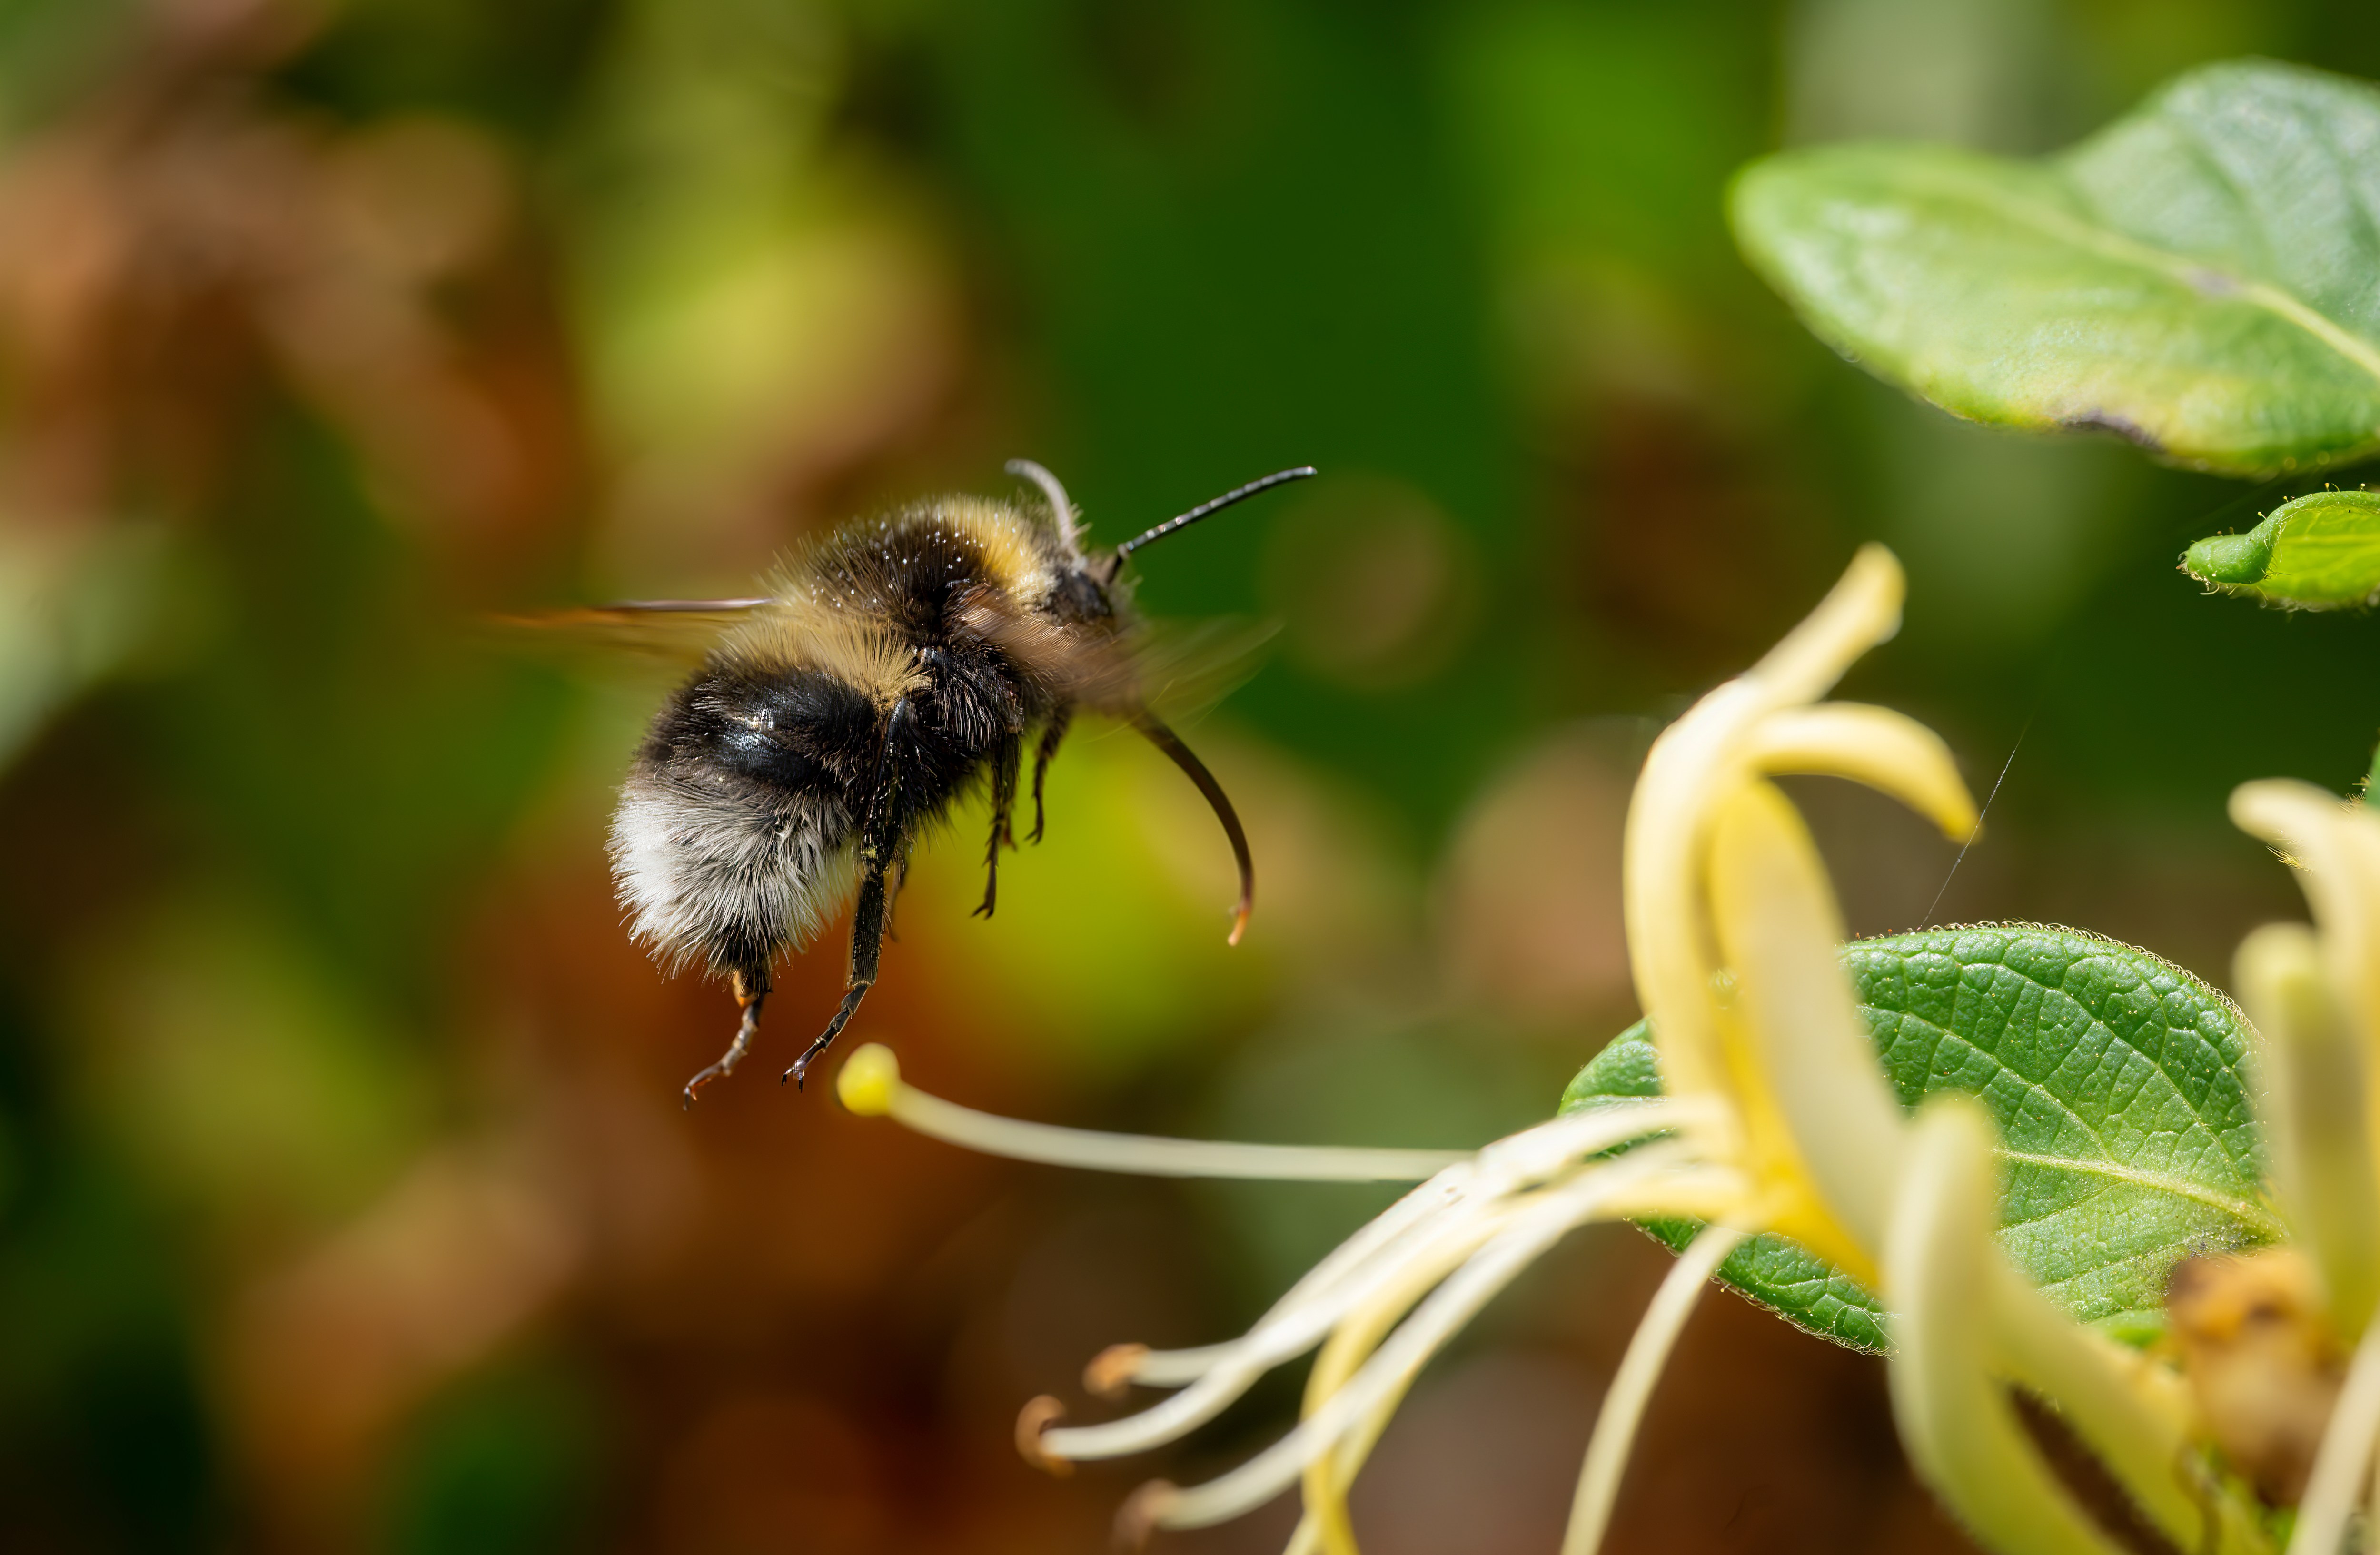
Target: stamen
<point x="1381" y="1242"/>
<point x="1114" y="1370"/>
<point x="1143" y="1513"/>
<point x="1038" y="1415"/>
<point x="1421" y="1227"/>
<point x="1632" y="1387"/>
<point x="1222" y="1384"/>
<point x="1550" y="1217"/>
<point x="2344" y="1456"/>
<point x="871" y="1085"/>
<point x="1328" y="1474"/>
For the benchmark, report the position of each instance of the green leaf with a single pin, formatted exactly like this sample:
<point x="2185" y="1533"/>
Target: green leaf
<point x="2198" y="277"/>
<point x="2117" y="1082"/>
<point x="2318" y="552"/>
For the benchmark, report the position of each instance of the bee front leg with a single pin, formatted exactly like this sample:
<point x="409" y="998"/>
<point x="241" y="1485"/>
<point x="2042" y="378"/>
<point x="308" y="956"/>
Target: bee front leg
<point x="1050" y="735"/>
<point x="1005" y="759"/>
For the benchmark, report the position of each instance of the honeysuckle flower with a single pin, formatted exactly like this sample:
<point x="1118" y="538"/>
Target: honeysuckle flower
<point x="1777" y="1118"/>
<point x="2314" y="997"/>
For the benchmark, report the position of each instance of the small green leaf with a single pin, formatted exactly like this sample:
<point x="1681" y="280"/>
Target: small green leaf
<point x="2318" y="552"/>
<point x="2117" y="1082"/>
<point x="2197" y="276"/>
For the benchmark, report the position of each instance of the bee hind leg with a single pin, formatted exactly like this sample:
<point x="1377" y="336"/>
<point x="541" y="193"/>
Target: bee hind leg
<point x="752" y="990"/>
<point x="851" y="997"/>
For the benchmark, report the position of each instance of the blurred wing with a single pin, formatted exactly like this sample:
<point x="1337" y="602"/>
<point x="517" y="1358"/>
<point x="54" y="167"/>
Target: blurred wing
<point x="1184" y="668"/>
<point x="673" y="632"/>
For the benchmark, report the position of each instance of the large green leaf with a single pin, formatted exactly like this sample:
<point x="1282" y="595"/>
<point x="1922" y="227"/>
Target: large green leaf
<point x="2318" y="552"/>
<point x="2117" y="1080"/>
<point x="2203" y="277"/>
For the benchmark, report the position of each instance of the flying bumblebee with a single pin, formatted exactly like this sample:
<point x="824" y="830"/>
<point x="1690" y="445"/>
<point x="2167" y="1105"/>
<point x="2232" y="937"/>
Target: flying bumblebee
<point x="893" y="666"/>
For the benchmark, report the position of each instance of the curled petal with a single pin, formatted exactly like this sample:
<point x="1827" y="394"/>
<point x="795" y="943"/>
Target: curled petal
<point x="1696" y="762"/>
<point x="1818" y="1110"/>
<point x="2316" y="1125"/>
<point x="1939" y="1277"/>
<point x="1861" y="611"/>
<point x="1887" y="752"/>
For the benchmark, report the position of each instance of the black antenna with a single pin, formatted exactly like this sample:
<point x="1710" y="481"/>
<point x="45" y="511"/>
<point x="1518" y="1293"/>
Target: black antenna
<point x="1238" y="493"/>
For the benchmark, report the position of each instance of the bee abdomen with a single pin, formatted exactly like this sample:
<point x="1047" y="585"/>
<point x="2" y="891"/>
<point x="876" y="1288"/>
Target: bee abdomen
<point x="733" y="838"/>
<point x="708" y="875"/>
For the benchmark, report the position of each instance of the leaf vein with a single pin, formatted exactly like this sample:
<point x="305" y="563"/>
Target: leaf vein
<point x="2248" y="1214"/>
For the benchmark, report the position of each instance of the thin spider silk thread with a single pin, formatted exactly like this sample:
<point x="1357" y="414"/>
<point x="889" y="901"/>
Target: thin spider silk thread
<point x="2198" y="525"/>
<point x="1978" y="831"/>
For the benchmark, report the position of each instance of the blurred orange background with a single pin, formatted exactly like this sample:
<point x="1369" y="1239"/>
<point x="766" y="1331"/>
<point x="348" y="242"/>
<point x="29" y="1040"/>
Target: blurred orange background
<point x="345" y="1201"/>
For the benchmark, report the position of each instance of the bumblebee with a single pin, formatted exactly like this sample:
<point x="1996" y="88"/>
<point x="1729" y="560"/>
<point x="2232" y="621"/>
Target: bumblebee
<point x="893" y="666"/>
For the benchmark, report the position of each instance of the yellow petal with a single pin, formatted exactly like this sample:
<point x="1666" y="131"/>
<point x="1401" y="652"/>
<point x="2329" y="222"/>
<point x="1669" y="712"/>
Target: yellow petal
<point x="2337" y="848"/>
<point x="1694" y="764"/>
<point x="1808" y="1069"/>
<point x="2317" y="1127"/>
<point x="1963" y="1435"/>
<point x="1889" y="752"/>
<point x="2128" y="1409"/>
<point x="1861" y="609"/>
<point x="1689" y="767"/>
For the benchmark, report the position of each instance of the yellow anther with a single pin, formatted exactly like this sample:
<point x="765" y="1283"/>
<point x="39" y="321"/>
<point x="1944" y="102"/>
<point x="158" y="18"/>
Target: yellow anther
<point x="867" y="1081"/>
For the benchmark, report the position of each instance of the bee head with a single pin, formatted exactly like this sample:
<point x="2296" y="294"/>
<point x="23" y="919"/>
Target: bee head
<point x="1082" y="591"/>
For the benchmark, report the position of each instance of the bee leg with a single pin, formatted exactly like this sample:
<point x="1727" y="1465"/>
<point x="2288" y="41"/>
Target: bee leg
<point x="882" y="846"/>
<point x="1055" y="732"/>
<point x="752" y="989"/>
<point x="892" y="897"/>
<point x="1005" y="759"/>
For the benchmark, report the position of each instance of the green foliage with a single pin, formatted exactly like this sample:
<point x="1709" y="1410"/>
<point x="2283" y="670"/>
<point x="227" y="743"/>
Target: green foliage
<point x="2196" y="276"/>
<point x="2117" y="1082"/>
<point x="2318" y="552"/>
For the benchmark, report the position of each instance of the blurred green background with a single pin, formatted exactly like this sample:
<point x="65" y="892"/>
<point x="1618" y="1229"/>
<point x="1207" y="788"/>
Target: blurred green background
<point x="344" y="1199"/>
